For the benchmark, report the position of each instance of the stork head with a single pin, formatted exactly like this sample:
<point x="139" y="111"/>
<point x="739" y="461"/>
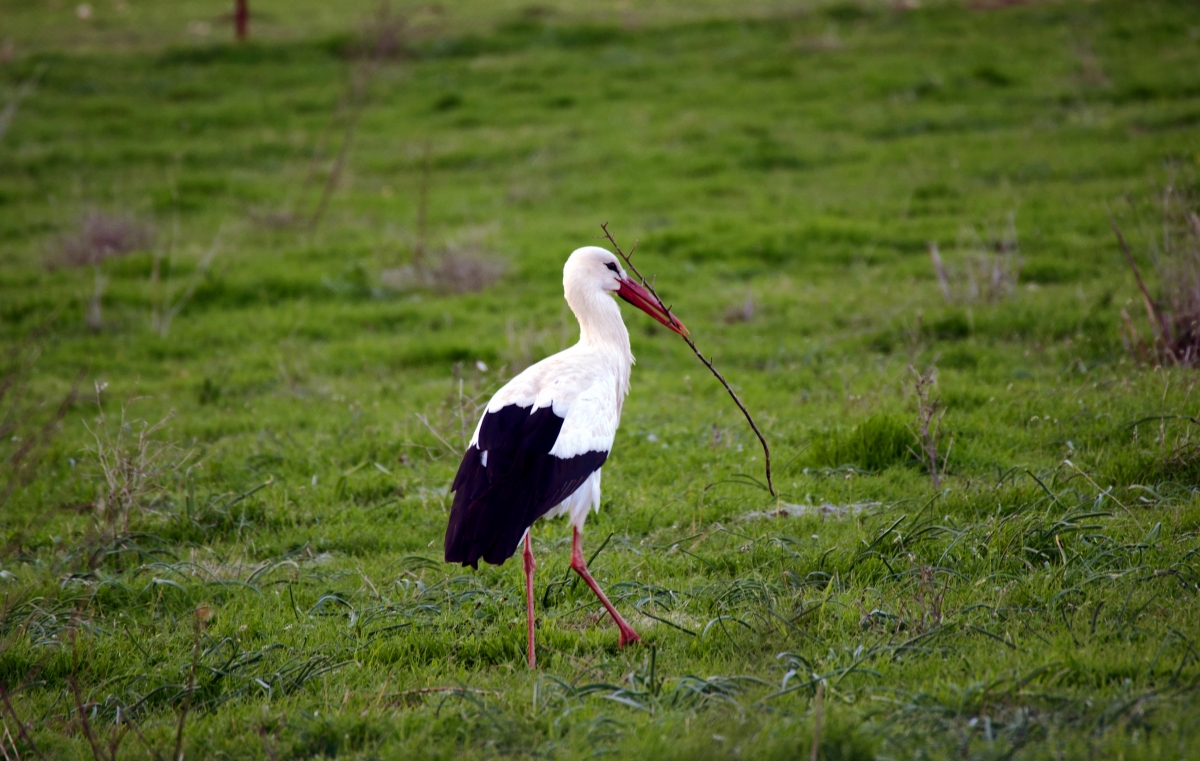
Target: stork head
<point x="594" y="268"/>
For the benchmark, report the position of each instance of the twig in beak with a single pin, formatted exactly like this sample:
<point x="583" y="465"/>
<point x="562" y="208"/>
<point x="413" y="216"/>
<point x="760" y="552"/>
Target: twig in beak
<point x="649" y="286"/>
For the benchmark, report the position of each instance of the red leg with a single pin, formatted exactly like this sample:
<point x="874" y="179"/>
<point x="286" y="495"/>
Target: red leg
<point x="529" y="566"/>
<point x="628" y="635"/>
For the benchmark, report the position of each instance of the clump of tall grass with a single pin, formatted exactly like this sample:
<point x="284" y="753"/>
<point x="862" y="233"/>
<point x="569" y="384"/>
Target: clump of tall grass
<point x="877" y="443"/>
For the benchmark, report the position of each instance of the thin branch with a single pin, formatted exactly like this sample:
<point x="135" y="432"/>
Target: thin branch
<point x="117" y="735"/>
<point x="649" y="286"/>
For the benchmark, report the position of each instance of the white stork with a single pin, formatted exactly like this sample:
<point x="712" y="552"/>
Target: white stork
<point x="538" y="449"/>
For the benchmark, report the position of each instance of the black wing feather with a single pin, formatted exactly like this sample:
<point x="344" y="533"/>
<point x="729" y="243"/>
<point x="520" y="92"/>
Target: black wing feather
<point x="494" y="505"/>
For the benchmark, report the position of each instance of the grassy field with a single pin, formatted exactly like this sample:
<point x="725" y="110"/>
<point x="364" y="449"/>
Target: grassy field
<point x="263" y="569"/>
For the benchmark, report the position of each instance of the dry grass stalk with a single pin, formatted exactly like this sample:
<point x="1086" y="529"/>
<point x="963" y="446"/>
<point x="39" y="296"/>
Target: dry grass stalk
<point x="462" y="265"/>
<point x="93" y="317"/>
<point x="1091" y="69"/>
<point x="928" y="427"/>
<point x="381" y="40"/>
<point x="1174" y="318"/>
<point x="270" y="738"/>
<point x="198" y="622"/>
<point x="136" y="468"/>
<point x="930" y="600"/>
<point x="84" y="707"/>
<point x="939" y="269"/>
<point x="107" y="749"/>
<point x="459" y="411"/>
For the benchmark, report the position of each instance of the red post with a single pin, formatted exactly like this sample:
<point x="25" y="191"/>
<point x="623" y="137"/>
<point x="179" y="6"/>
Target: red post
<point x="241" y="17"/>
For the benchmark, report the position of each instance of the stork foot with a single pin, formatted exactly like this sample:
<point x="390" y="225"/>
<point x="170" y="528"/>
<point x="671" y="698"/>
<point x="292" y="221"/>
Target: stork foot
<point x="628" y="635"/>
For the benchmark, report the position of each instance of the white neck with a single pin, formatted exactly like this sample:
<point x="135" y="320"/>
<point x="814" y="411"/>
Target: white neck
<point x="601" y="328"/>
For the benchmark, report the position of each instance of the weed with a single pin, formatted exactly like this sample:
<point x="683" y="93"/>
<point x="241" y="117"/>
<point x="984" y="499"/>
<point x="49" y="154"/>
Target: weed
<point x="1174" y="318"/>
<point x="135" y="468"/>
<point x="927" y="429"/>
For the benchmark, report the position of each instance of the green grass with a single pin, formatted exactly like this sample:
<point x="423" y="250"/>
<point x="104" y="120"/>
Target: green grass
<point x="1041" y="605"/>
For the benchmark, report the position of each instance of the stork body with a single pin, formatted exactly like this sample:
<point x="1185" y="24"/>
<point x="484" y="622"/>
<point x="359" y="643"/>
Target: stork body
<point x="539" y="448"/>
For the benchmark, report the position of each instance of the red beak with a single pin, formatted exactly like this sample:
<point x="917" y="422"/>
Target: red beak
<point x="635" y="294"/>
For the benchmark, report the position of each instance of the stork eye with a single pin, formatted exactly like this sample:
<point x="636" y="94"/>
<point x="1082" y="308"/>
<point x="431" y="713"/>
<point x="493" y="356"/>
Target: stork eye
<point x="611" y="266"/>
